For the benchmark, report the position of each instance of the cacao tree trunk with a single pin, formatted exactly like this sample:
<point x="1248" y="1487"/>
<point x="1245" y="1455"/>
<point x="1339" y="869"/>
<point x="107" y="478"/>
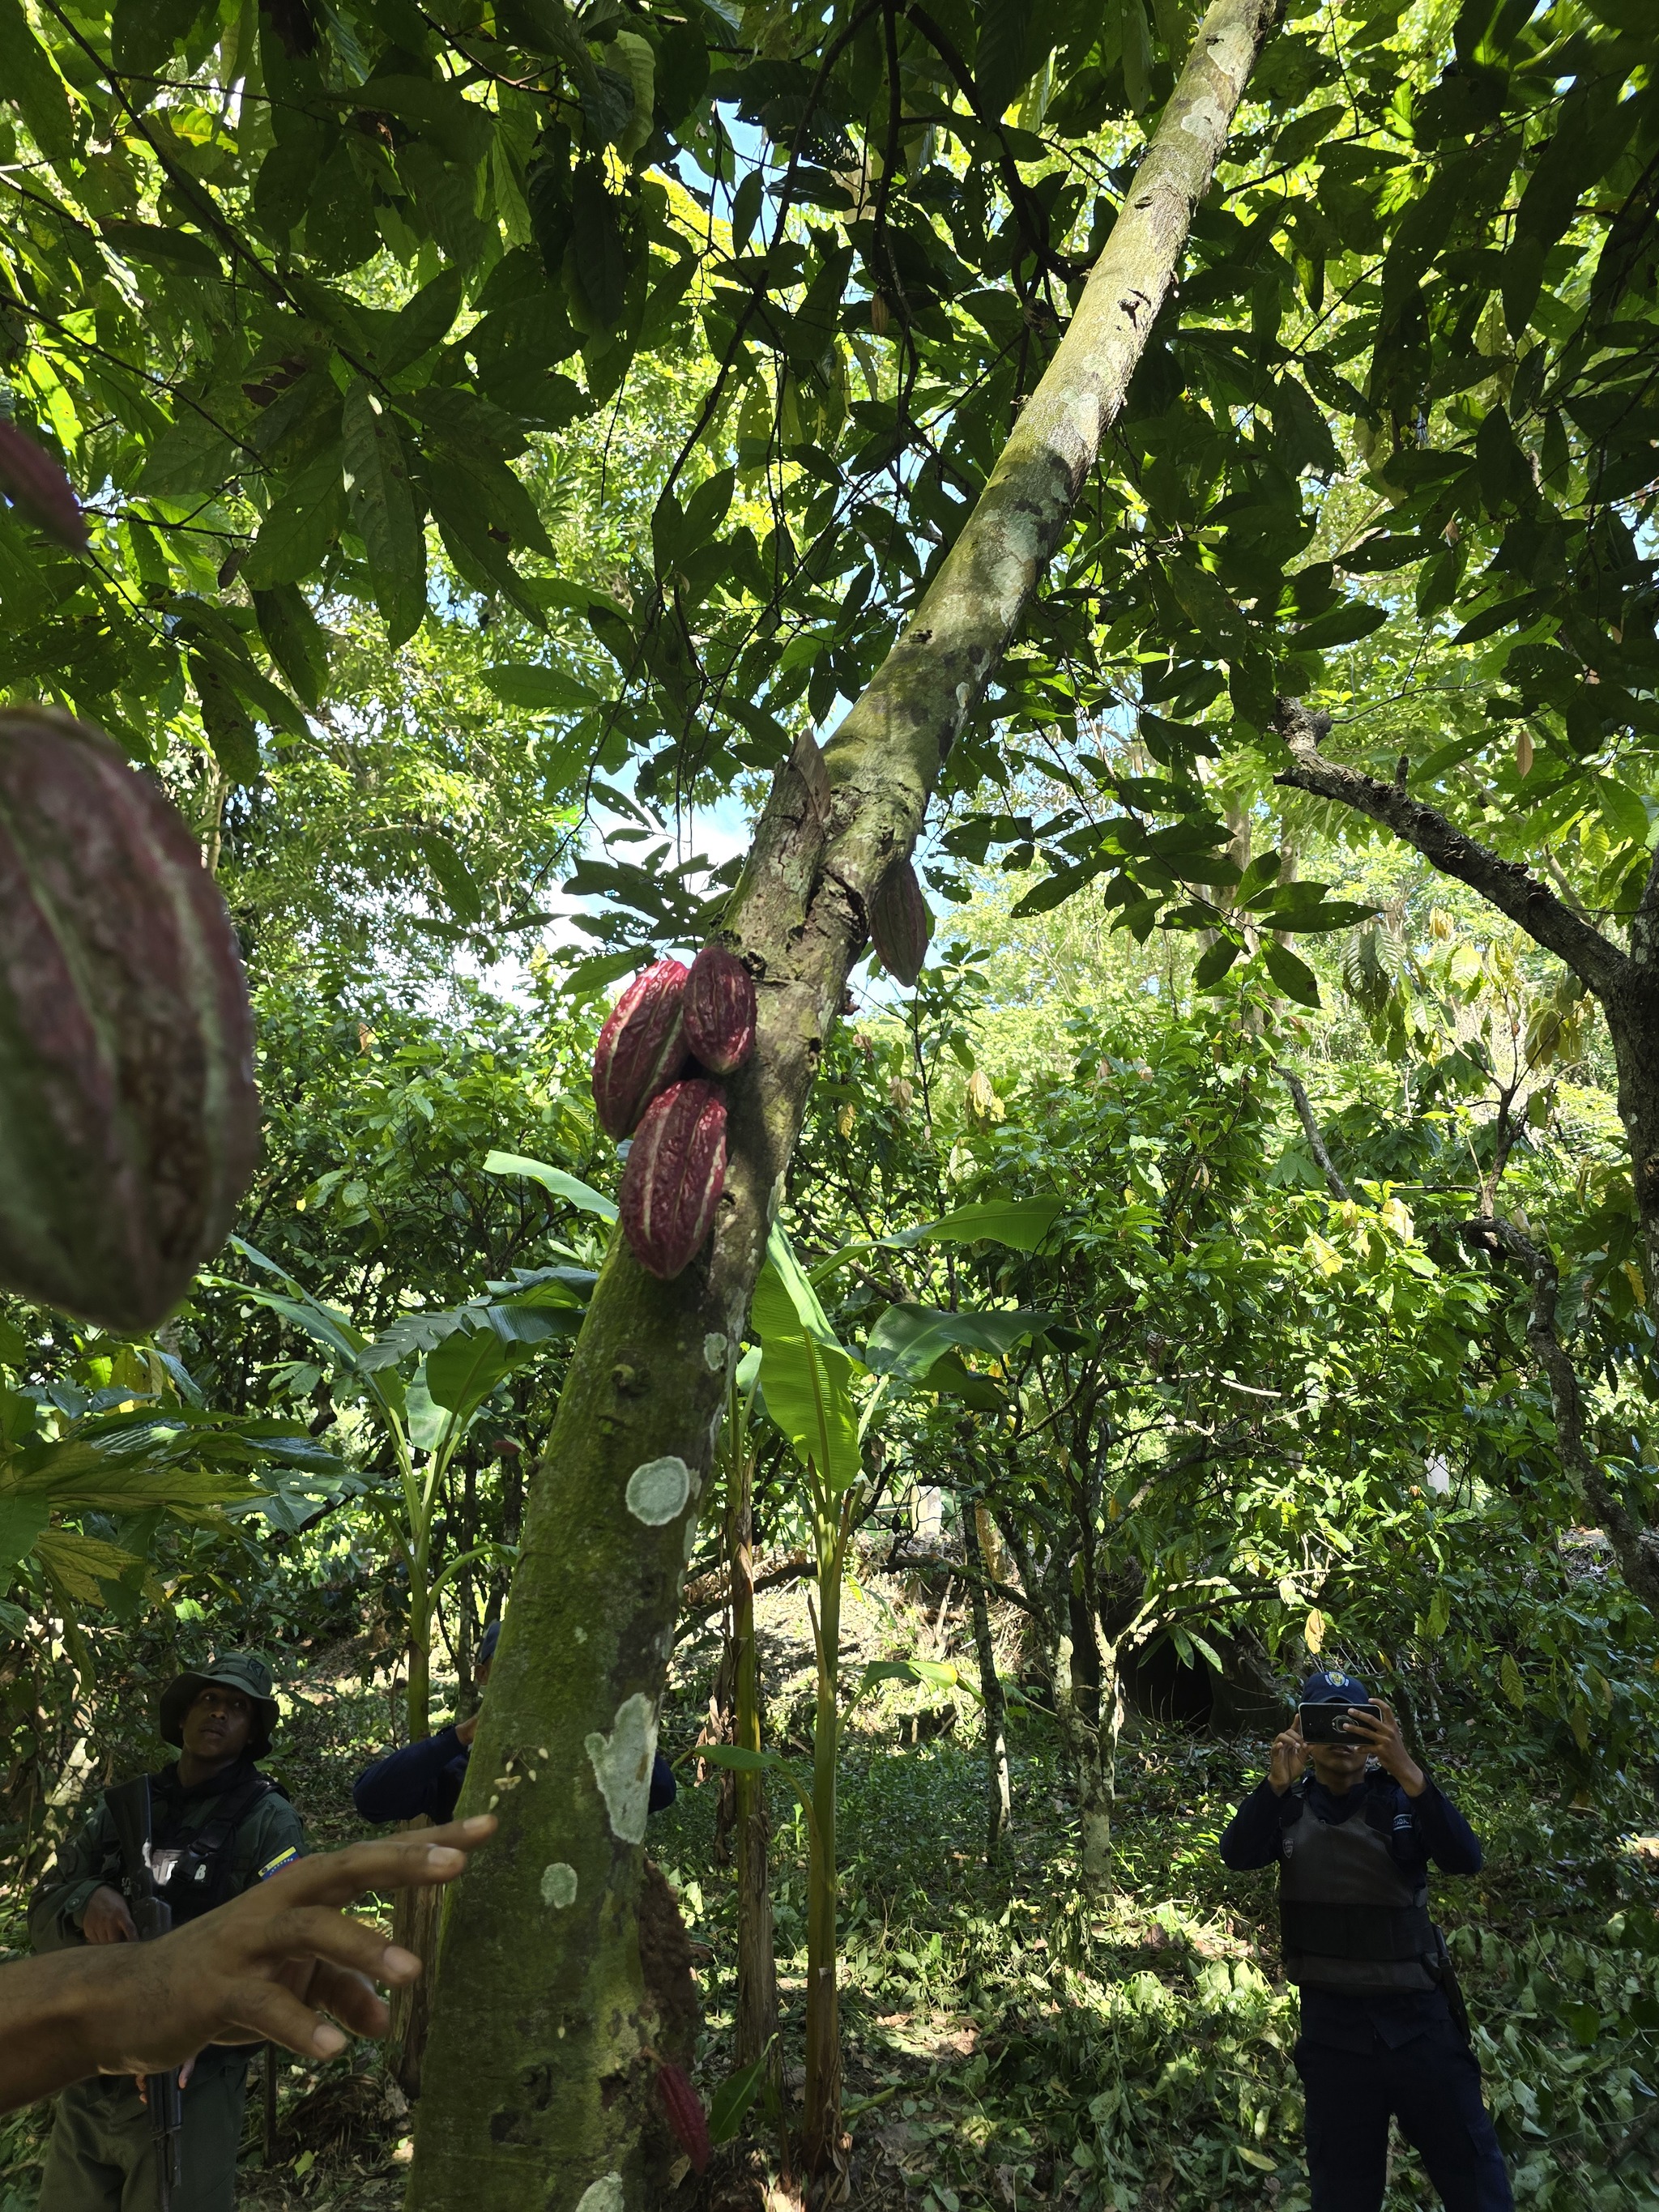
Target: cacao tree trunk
<point x="755" y="2027"/>
<point x="821" y="2145"/>
<point x="537" y="2075"/>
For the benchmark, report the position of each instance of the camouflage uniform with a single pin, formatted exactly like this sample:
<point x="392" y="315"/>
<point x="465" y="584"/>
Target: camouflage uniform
<point x="100" y="2157"/>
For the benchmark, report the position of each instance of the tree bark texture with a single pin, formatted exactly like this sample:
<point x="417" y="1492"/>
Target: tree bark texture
<point x="821" y="2125"/>
<point x="1636" y="1548"/>
<point x="757" y="2022"/>
<point x="537" y="2073"/>
<point x="1627" y="984"/>
<point x="998" y="1800"/>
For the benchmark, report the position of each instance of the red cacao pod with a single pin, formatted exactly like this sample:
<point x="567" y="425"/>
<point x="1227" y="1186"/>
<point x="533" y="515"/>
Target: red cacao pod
<point x="33" y="480"/>
<point x="674" y="1178"/>
<point x="720" y="1010"/>
<point x="129" y="1121"/>
<point x="685" y="2114"/>
<point x="641" y="1048"/>
<point x="901" y="923"/>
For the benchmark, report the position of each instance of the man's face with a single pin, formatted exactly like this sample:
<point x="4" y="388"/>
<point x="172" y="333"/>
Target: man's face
<point x="1339" y="1765"/>
<point x="218" y="1724"/>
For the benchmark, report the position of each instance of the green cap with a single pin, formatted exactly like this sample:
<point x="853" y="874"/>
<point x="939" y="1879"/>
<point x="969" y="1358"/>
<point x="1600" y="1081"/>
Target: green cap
<point x="235" y="1670"/>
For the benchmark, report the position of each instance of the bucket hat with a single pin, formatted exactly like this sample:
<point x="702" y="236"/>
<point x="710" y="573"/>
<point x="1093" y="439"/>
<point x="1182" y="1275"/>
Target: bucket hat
<point x="231" y="1670"/>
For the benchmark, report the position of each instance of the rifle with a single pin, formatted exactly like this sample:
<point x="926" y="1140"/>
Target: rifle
<point x="130" y="1808"/>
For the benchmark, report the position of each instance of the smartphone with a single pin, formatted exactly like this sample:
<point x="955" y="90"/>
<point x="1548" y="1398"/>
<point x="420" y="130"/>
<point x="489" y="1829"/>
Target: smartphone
<point x="1328" y="1723"/>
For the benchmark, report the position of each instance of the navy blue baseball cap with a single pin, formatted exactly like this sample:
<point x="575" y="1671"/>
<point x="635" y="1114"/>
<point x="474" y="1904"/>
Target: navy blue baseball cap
<point x="487" y="1643"/>
<point x="1334" y="1689"/>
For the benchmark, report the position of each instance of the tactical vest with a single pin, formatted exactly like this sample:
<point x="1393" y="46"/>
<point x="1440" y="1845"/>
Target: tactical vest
<point x="1348" y="1919"/>
<point x="193" y="1875"/>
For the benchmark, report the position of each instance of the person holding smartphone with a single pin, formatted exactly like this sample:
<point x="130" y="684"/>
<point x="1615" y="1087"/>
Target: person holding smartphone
<point x="1384" y="2032"/>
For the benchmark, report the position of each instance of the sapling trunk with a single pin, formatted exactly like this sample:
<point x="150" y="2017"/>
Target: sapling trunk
<point x="538" y="2076"/>
<point x="822" y="2134"/>
<point x="994" y="1704"/>
<point x="757" y="2024"/>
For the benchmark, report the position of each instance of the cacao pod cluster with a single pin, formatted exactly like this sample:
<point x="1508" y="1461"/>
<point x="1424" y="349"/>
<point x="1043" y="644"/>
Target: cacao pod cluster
<point x="672" y="1031"/>
<point x="129" y="1121"/>
<point x="686" y="2117"/>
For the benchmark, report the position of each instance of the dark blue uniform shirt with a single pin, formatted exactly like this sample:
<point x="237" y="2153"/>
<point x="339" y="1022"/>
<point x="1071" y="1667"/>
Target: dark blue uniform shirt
<point x="1419" y="1830"/>
<point x="427" y="1777"/>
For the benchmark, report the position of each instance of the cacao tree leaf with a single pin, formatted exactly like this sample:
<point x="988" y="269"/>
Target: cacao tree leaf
<point x="382" y="510"/>
<point x="547" y="690"/>
<point x="1294" y="977"/>
<point x="295" y="638"/>
<point x="454" y="878"/>
<point x="907" y="1340"/>
<point x="231" y="734"/>
<point x="423" y="323"/>
<point x="299" y="527"/>
<point x="600" y="257"/>
<point x="33" y="86"/>
<point x="1021" y="1224"/>
<point x="22" y="1520"/>
<point x="1214" y="961"/>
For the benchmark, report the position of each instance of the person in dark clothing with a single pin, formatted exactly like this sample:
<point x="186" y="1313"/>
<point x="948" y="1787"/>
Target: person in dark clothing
<point x="1380" y="2037"/>
<point x="218" y="1828"/>
<point x="426" y="1777"/>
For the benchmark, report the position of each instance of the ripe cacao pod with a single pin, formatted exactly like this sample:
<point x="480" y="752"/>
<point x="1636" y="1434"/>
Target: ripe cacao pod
<point x="674" y="1178"/>
<point x="129" y="1121"/>
<point x="685" y="2114"/>
<point x="720" y="1010"/>
<point x="901" y="923"/>
<point x="641" y="1048"/>
<point x="32" y="481"/>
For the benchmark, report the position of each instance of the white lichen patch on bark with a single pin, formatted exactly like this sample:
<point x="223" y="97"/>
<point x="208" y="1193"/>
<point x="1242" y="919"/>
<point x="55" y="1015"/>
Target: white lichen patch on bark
<point x="658" y="1491"/>
<point x="558" y="1885"/>
<point x="714" y="1352"/>
<point x="606" y="2195"/>
<point x="622" y="1765"/>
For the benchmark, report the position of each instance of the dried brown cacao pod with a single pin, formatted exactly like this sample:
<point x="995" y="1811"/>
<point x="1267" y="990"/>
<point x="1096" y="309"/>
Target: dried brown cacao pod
<point x="720" y="1010"/>
<point x="641" y="1048"/>
<point x="901" y="923"/>
<point x="674" y="1178"/>
<point x="129" y="1121"/>
<point x="32" y="481"/>
<point x="685" y="2114"/>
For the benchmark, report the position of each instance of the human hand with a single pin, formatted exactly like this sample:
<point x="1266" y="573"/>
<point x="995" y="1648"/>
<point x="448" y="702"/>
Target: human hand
<point x="106" y="1919"/>
<point x="1290" y="1756"/>
<point x="1378" y="1733"/>
<point x="267" y="1966"/>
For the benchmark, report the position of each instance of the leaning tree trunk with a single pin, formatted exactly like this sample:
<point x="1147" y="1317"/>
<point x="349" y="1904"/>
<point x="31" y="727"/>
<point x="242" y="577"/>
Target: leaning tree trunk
<point x="998" y="1799"/>
<point x="755" y="2024"/>
<point x="538" y="2072"/>
<point x="1627" y="984"/>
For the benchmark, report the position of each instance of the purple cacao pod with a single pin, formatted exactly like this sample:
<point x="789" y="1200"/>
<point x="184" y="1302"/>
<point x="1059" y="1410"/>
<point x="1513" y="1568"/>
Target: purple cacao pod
<point x="901" y="923"/>
<point x="685" y="2114"/>
<point x="641" y="1048"/>
<point x="674" y="1178"/>
<point x="720" y="1010"/>
<point x="129" y="1121"/>
<point x="33" y="480"/>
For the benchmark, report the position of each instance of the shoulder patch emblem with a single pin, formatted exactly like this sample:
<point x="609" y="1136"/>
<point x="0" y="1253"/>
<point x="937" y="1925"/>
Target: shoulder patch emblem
<point x="282" y="1859"/>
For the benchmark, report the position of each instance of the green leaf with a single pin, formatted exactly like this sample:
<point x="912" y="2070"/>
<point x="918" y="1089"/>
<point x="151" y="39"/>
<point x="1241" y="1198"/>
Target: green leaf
<point x="907" y="1340"/>
<point x="1262" y="872"/>
<point x="455" y="879"/>
<point x="1302" y="133"/>
<point x="231" y="734"/>
<point x="383" y="511"/>
<point x="295" y="638"/>
<point x="1510" y="1681"/>
<point x="732" y="2100"/>
<point x="600" y="255"/>
<point x="1001" y="63"/>
<point x="805" y="1374"/>
<point x="464" y="1369"/>
<point x="423" y="323"/>
<point x="22" y="1520"/>
<point x="1294" y="977"/>
<point x="1623" y="811"/>
<point x="554" y="1180"/>
<point x="298" y="528"/>
<point x="33" y="85"/>
<point x="1214" y="961"/>
<point x="545" y="690"/>
<point x="1019" y="1223"/>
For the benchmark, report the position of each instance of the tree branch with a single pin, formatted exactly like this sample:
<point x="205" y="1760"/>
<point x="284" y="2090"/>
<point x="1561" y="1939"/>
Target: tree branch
<point x="1304" y="1112"/>
<point x="1513" y="889"/>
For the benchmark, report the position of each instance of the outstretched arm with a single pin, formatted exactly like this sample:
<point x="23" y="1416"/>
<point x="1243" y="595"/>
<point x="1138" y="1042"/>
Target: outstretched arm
<point x="267" y="1966"/>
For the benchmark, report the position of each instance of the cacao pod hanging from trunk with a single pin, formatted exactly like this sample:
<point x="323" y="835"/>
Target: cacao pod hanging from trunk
<point x="685" y="2114"/>
<point x="129" y="1121"/>
<point x="675" y="1174"/>
<point x="901" y="923"/>
<point x="720" y="1010"/>
<point x="641" y="1048"/>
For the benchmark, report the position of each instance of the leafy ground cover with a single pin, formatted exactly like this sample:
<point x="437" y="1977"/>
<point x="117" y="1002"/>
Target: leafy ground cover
<point x="1008" y="2045"/>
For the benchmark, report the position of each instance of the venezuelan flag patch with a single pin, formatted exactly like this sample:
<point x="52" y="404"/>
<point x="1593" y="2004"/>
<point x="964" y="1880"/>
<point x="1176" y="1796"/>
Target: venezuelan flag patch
<point x="282" y="1859"/>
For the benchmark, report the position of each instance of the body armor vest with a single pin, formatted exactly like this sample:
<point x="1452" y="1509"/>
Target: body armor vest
<point x="1349" y="1920"/>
